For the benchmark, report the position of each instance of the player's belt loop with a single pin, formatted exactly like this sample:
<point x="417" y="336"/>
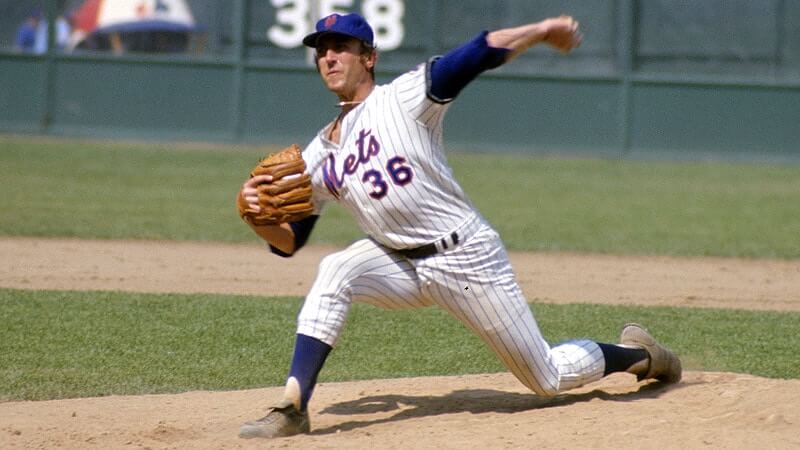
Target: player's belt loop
<point x="453" y="241"/>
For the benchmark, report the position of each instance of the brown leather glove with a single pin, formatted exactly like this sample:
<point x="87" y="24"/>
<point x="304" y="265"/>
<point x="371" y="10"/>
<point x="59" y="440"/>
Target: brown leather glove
<point x="288" y="197"/>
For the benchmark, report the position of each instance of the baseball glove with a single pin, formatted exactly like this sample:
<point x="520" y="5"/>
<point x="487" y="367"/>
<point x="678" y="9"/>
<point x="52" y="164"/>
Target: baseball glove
<point x="288" y="197"/>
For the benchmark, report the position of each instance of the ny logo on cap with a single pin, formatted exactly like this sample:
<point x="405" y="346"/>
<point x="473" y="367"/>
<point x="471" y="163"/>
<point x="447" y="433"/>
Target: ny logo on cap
<point x="330" y="20"/>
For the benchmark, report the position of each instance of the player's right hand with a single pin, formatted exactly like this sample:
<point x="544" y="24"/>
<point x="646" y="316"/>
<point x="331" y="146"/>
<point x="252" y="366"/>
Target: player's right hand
<point x="563" y="33"/>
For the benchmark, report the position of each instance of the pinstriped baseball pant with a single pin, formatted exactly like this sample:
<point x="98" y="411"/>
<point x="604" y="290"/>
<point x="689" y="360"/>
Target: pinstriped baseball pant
<point x="473" y="282"/>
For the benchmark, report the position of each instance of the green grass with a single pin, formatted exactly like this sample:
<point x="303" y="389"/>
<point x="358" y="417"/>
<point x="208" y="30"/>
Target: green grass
<point x="57" y="344"/>
<point x="138" y="191"/>
<point x="668" y="208"/>
<point x="97" y="190"/>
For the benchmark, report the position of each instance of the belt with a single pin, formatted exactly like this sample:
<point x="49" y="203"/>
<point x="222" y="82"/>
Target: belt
<point x="430" y="249"/>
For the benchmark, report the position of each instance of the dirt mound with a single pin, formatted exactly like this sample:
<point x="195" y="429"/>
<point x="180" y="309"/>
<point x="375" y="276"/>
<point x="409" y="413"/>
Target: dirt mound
<point x="716" y="410"/>
<point x="712" y="410"/>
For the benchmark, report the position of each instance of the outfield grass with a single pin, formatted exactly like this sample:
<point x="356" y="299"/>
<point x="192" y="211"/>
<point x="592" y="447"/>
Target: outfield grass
<point x="74" y="344"/>
<point x="99" y="190"/>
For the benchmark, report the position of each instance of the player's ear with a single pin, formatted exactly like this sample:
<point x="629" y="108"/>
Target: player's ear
<point x="370" y="56"/>
<point x="370" y="59"/>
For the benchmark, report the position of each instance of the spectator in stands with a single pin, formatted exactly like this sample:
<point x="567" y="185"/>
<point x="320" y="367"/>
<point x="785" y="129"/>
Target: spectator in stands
<point x="28" y="35"/>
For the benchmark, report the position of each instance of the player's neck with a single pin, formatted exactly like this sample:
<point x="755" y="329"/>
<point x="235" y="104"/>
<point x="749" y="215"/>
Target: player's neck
<point x="349" y="101"/>
<point x="348" y="105"/>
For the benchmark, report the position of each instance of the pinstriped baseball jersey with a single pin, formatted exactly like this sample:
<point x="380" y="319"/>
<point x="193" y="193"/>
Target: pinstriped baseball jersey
<point x="389" y="170"/>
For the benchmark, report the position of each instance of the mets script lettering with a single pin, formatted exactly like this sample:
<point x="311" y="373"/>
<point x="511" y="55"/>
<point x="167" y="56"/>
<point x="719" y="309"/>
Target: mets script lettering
<point x="333" y="181"/>
<point x="367" y="146"/>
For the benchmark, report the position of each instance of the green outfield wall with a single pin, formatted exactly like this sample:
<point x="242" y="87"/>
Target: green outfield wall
<point x="655" y="78"/>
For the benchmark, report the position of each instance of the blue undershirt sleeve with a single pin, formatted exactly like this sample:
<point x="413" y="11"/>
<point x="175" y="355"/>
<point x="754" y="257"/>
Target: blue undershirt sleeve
<point x="302" y="230"/>
<point x="449" y="74"/>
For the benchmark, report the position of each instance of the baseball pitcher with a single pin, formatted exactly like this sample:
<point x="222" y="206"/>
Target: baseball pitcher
<point x="382" y="158"/>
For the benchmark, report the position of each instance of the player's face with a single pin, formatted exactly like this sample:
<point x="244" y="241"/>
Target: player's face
<point x="343" y="65"/>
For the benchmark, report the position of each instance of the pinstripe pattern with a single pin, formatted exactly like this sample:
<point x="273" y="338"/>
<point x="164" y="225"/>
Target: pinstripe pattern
<point x="364" y="272"/>
<point x="403" y="122"/>
<point x="473" y="282"/>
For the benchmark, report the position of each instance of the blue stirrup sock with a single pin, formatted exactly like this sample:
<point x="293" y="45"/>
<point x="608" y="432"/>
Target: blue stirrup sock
<point x="624" y="359"/>
<point x="309" y="357"/>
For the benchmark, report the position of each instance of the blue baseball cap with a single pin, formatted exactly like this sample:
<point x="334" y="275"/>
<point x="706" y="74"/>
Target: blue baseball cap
<point x="351" y="25"/>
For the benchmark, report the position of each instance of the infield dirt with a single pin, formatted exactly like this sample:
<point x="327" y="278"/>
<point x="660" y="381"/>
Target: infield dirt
<point x="705" y="410"/>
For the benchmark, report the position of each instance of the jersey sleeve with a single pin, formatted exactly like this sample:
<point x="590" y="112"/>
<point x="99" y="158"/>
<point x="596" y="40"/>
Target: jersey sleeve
<point x="451" y="73"/>
<point x="412" y="92"/>
<point x="302" y="230"/>
<point x="427" y="89"/>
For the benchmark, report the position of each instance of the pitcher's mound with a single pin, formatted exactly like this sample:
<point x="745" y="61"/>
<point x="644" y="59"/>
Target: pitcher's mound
<point x="708" y="410"/>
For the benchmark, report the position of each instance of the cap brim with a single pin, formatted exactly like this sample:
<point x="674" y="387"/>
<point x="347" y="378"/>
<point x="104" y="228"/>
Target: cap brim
<point x="313" y="39"/>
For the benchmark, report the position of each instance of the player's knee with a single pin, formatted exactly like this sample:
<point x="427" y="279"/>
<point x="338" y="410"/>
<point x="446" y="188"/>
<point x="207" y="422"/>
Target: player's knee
<point x="538" y="382"/>
<point x="544" y="388"/>
<point x="547" y="382"/>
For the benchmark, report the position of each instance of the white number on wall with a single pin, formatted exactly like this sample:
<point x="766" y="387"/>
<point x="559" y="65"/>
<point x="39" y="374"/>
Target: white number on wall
<point x="290" y="23"/>
<point x="386" y="18"/>
<point x="327" y="7"/>
<point x="292" y="20"/>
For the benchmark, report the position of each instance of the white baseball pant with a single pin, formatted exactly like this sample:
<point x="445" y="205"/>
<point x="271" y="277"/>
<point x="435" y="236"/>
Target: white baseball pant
<point x="473" y="282"/>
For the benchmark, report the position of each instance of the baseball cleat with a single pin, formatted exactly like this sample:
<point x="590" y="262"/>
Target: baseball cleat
<point x="282" y="420"/>
<point x="664" y="365"/>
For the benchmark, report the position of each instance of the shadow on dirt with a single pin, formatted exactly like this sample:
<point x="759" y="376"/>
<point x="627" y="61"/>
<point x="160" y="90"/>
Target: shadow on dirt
<point x="474" y="401"/>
